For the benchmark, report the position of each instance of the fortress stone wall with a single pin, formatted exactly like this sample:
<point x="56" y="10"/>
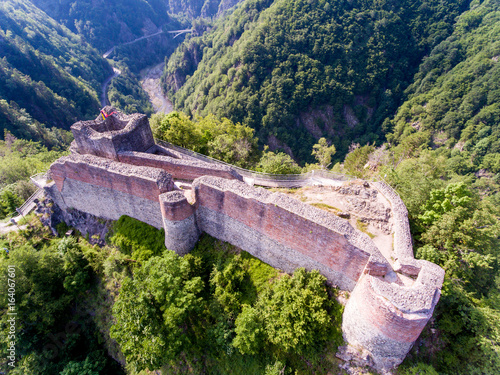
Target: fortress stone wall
<point x="118" y="133"/>
<point x="285" y="232"/>
<point x="391" y="300"/>
<point x="180" y="169"/>
<point x="109" y="189"/>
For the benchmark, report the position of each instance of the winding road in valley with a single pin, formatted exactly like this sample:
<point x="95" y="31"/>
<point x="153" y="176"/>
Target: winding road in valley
<point x="104" y="97"/>
<point x="150" y="80"/>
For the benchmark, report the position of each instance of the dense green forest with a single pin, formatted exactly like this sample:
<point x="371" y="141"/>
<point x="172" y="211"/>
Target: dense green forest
<point x="49" y="77"/>
<point x="20" y="159"/>
<point x="105" y="23"/>
<point x="455" y="97"/>
<point x="402" y="90"/>
<point x="108" y="23"/>
<point x="55" y="286"/>
<point x="125" y="93"/>
<point x="300" y="70"/>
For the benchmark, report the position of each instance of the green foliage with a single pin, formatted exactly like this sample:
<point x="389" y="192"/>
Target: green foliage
<point x="296" y="312"/>
<point x="178" y="129"/>
<point x="419" y="369"/>
<point x="105" y="29"/>
<point x="250" y="331"/>
<point x="355" y="161"/>
<point x="48" y="76"/>
<point x="277" y="368"/>
<point x="20" y="159"/>
<point x="139" y="240"/>
<point x="271" y="64"/>
<point x="464" y="233"/>
<point x="154" y="309"/>
<point x="323" y="153"/>
<point x="52" y="278"/>
<point x="415" y="178"/>
<point x="75" y="265"/>
<point x="228" y="283"/>
<point x="8" y="202"/>
<point x="86" y="367"/>
<point x="455" y="95"/>
<point x="220" y="139"/>
<point x="294" y="315"/>
<point x="126" y="94"/>
<point x="445" y="200"/>
<point x="41" y="296"/>
<point x="277" y="163"/>
<point x="454" y="219"/>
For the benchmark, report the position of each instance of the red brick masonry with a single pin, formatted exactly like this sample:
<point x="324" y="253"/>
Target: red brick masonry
<point x="142" y="182"/>
<point x="294" y="231"/>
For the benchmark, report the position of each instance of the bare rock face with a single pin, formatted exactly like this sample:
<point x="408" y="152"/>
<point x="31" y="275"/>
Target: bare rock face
<point x="92" y="227"/>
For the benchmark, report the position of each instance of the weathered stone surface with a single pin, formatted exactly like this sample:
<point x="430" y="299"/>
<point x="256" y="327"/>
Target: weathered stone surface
<point x="182" y="169"/>
<point x="179" y="222"/>
<point x="319" y="235"/>
<point x="264" y="247"/>
<point x="385" y="318"/>
<point x="143" y="182"/>
<point x="116" y="133"/>
<point x="105" y="202"/>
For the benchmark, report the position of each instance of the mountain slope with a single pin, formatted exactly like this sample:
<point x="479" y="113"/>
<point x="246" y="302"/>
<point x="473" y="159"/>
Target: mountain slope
<point x="456" y="93"/>
<point x="299" y="70"/>
<point x="105" y="23"/>
<point x="48" y="75"/>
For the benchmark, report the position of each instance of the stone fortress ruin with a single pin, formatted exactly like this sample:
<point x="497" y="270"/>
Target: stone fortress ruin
<point x="115" y="168"/>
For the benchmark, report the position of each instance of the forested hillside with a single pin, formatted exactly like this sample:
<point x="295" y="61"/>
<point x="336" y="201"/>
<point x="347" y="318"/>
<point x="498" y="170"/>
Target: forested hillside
<point x="48" y="75"/>
<point x="200" y="8"/>
<point x="300" y="70"/>
<point x="105" y="23"/>
<point x="445" y="163"/>
<point x="51" y="72"/>
<point x="455" y="97"/>
<point x="108" y="23"/>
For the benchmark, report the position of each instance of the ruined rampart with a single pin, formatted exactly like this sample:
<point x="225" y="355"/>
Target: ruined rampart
<point x="389" y="303"/>
<point x="117" y="133"/>
<point x="285" y="232"/>
<point x="109" y="189"/>
<point x="405" y="262"/>
<point x="397" y="312"/>
<point x="180" y="169"/>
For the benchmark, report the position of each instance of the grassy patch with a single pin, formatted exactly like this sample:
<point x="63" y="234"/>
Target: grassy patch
<point x="139" y="240"/>
<point x="326" y="207"/>
<point x="363" y="227"/>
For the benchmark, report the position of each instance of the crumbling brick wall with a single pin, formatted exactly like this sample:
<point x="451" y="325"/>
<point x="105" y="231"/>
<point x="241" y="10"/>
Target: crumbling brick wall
<point x="109" y="189"/>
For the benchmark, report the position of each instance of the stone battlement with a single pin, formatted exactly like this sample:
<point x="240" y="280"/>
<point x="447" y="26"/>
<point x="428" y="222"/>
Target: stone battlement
<point x="116" y="169"/>
<point x="106" y="137"/>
